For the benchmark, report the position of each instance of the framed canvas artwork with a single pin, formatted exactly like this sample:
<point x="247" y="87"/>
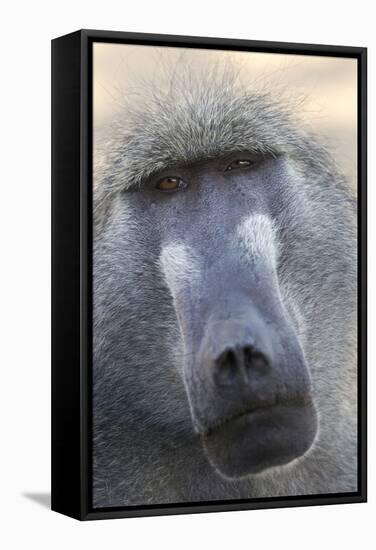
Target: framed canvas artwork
<point x="209" y="274"/>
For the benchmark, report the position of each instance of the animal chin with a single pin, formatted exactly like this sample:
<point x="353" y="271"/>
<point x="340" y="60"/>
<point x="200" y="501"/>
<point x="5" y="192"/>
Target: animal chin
<point x="255" y="441"/>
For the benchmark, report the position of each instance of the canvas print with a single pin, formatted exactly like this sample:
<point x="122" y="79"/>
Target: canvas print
<point x="224" y="275"/>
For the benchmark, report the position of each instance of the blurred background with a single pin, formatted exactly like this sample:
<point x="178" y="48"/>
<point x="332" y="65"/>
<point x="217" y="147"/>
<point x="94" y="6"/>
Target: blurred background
<point x="327" y="86"/>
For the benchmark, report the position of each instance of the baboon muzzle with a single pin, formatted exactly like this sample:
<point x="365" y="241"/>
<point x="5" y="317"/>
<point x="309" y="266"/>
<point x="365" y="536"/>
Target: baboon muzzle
<point x="248" y="384"/>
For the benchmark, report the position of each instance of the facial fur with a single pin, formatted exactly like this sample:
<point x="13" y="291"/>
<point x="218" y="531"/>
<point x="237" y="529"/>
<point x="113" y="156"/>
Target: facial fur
<point x="224" y="304"/>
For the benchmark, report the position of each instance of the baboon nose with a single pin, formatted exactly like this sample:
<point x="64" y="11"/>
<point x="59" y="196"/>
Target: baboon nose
<point x="240" y="365"/>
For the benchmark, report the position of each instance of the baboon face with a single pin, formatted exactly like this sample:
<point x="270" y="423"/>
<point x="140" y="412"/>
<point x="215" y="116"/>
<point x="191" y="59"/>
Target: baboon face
<point x="218" y="248"/>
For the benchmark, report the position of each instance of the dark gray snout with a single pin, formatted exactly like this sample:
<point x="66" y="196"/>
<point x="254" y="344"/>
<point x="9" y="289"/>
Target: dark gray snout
<point x="245" y="373"/>
<point x="249" y="387"/>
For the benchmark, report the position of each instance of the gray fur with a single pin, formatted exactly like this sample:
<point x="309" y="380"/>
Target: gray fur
<point x="146" y="450"/>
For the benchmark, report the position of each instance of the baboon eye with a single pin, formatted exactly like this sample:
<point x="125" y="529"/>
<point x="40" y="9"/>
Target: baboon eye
<point x="170" y="184"/>
<point x="240" y="163"/>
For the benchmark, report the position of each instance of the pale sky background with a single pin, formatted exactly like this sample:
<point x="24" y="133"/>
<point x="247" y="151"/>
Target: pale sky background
<point x="329" y="85"/>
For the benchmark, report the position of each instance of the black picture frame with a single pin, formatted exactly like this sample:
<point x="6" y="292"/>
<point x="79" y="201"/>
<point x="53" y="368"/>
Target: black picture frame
<point x="72" y="265"/>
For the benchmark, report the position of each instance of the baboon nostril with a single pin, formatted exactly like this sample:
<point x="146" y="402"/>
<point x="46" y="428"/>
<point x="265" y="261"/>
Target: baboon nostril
<point x="255" y="362"/>
<point x="226" y="367"/>
<point x="239" y="365"/>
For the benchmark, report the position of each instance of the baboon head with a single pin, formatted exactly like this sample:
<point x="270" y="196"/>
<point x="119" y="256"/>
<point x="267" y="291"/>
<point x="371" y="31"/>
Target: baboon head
<point x="209" y="223"/>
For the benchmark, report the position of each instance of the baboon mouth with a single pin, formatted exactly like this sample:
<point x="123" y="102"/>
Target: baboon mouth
<point x="255" y="440"/>
<point x="298" y="402"/>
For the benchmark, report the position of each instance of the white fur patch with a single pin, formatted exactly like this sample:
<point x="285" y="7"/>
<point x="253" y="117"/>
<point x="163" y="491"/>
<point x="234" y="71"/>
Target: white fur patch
<point x="179" y="265"/>
<point x="257" y="238"/>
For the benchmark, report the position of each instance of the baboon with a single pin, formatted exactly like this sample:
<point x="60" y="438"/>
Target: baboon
<point x="224" y="359"/>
